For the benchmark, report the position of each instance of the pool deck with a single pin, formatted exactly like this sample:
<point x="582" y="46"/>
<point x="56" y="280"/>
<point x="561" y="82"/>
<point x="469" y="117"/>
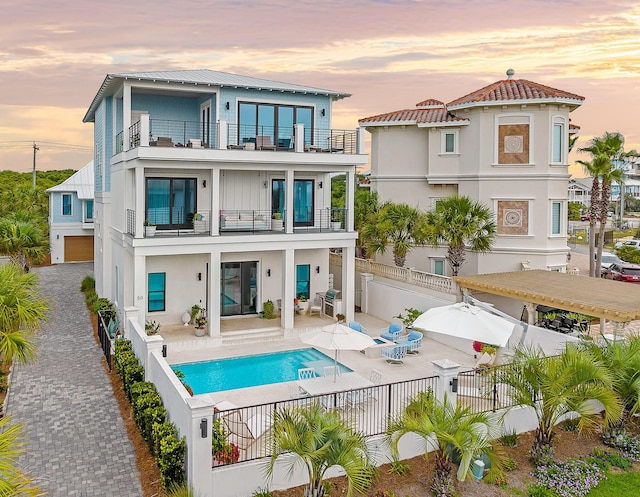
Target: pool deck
<point x="415" y="365"/>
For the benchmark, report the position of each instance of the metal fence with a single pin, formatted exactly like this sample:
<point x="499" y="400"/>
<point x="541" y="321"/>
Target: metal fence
<point x="483" y="389"/>
<point x="368" y="410"/>
<point x="103" y="335"/>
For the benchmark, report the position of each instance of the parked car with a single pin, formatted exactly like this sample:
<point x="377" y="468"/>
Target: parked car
<point x="585" y="217"/>
<point x="623" y="272"/>
<point x="631" y="243"/>
<point x="609" y="258"/>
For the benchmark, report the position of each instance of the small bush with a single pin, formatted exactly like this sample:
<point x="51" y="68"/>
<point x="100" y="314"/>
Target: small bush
<point x="263" y="492"/>
<point x="102" y="304"/>
<point x="509" y="439"/>
<point x="509" y="464"/>
<point x="540" y="491"/>
<point x="142" y="388"/>
<point x="572" y="425"/>
<point x="399" y="467"/>
<point x="133" y="373"/>
<point x="573" y="478"/>
<point x="497" y="477"/>
<point x="88" y="284"/>
<point x="170" y="457"/>
<point x="268" y="310"/>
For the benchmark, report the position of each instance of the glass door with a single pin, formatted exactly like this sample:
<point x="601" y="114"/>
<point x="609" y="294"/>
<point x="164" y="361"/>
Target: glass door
<point x="238" y="288"/>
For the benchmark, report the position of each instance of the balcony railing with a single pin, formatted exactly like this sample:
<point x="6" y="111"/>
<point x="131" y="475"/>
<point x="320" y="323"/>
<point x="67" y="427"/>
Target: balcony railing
<point x="169" y="133"/>
<point x="266" y="221"/>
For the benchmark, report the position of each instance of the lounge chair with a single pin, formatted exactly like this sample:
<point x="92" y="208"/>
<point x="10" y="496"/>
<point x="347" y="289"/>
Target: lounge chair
<point x="244" y="433"/>
<point x="306" y="373"/>
<point x="395" y="354"/>
<point x="354" y="325"/>
<point x="413" y="341"/>
<point x="264" y="143"/>
<point x="316" y="306"/>
<point x="393" y="333"/>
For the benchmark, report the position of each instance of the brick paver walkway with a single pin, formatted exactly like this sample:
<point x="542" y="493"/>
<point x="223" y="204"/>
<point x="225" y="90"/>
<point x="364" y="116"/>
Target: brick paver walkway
<point x="77" y="443"/>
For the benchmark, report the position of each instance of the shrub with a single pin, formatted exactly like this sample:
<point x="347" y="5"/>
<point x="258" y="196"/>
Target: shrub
<point x="88" y="283"/>
<point x="509" y="464"/>
<point x="263" y="492"/>
<point x="540" y="491"/>
<point x="170" y="457"/>
<point x="133" y="373"/>
<point x="509" y="439"/>
<point x="142" y="388"/>
<point x="268" y="310"/>
<point x="573" y="478"/>
<point x="497" y="477"/>
<point x="102" y="304"/>
<point x="399" y="467"/>
<point x="572" y="425"/>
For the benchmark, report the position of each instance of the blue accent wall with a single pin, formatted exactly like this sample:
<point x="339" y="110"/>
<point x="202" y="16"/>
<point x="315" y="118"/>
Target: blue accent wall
<point x="108" y="143"/>
<point x="76" y="208"/>
<point x="98" y="133"/>
<point x="167" y="108"/>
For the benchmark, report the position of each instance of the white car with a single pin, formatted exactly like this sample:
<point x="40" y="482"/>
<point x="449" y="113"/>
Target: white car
<point x="631" y="243"/>
<point x="609" y="258"/>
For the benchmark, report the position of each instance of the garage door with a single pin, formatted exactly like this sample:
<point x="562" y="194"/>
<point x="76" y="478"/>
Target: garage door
<point x="78" y="248"/>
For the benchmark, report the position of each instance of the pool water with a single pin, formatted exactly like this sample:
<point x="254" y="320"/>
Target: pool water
<point x="252" y="371"/>
<point x="379" y="341"/>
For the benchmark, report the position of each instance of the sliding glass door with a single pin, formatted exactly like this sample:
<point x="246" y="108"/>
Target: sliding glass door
<point x="303" y="200"/>
<point x="171" y="202"/>
<point x="275" y="121"/>
<point x="238" y="288"/>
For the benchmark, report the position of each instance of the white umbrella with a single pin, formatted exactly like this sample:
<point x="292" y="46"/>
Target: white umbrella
<point x="337" y="337"/>
<point x="466" y="321"/>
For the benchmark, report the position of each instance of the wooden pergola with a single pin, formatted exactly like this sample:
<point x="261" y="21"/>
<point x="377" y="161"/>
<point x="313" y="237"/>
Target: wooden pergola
<point x="597" y="297"/>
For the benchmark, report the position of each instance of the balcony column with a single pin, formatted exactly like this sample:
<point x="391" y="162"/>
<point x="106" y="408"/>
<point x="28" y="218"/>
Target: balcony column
<point x="223" y="134"/>
<point x="299" y="137"/>
<point x="288" y="288"/>
<point x="213" y="305"/>
<point x="140" y="287"/>
<point x="348" y="281"/>
<point x="360" y="141"/>
<point x="126" y="116"/>
<point x="288" y="188"/>
<point x="144" y="130"/>
<point x="214" y="201"/>
<point x="350" y="199"/>
<point x="139" y="201"/>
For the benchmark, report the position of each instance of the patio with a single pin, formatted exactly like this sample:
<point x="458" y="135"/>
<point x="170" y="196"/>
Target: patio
<point x="184" y="346"/>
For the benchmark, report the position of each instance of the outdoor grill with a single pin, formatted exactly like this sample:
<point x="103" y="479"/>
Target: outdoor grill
<point x="329" y="300"/>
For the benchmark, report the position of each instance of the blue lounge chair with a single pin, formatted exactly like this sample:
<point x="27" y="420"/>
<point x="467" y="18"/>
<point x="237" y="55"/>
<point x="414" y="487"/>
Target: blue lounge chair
<point x="395" y="354"/>
<point x="393" y="333"/>
<point x="354" y="325"/>
<point x="413" y="341"/>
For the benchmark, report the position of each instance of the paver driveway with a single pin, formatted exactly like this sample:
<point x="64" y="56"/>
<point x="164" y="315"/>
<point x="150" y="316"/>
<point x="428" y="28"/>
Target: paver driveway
<point x="77" y="443"/>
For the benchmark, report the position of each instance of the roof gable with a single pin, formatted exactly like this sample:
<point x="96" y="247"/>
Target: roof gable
<point x="81" y="181"/>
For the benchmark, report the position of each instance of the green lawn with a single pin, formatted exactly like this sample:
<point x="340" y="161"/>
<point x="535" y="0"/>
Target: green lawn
<point x="618" y="485"/>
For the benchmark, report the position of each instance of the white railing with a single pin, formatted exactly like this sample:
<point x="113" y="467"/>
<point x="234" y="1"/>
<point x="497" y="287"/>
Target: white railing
<point x="407" y="275"/>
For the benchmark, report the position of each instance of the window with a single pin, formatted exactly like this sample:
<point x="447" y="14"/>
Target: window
<point x="156" y="288"/>
<point x="556" y="218"/>
<point x="171" y="203"/>
<point x="438" y="266"/>
<point x="66" y="204"/>
<point x="557" y="147"/>
<point x="274" y="121"/>
<point x="449" y="143"/>
<point x="303" y="280"/>
<point x="88" y="211"/>
<point x="303" y="200"/>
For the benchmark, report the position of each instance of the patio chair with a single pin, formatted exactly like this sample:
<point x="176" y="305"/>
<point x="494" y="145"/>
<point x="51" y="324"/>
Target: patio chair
<point x="359" y="399"/>
<point x="306" y="373"/>
<point x="263" y="142"/>
<point x="244" y="433"/>
<point x="393" y="333"/>
<point x="413" y="341"/>
<point x="354" y="325"/>
<point x="375" y="377"/>
<point x="316" y="306"/>
<point x="396" y="354"/>
<point x="330" y="371"/>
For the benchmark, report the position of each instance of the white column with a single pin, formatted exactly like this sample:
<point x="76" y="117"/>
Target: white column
<point x="144" y="130"/>
<point x="288" y="288"/>
<point x="350" y="199"/>
<point x="198" y="455"/>
<point x="223" y="134"/>
<point x="214" y="294"/>
<point x="365" y="278"/>
<point x="140" y="286"/>
<point x="288" y="187"/>
<point x="130" y="314"/>
<point x="126" y="116"/>
<point x="139" y="195"/>
<point x="360" y="141"/>
<point x="299" y="137"/>
<point x="348" y="282"/>
<point x="446" y="371"/>
<point x="215" y="202"/>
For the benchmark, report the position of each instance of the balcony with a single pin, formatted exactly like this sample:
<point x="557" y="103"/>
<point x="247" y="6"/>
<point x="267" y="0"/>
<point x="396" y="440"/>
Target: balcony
<point x="234" y="222"/>
<point x="230" y="136"/>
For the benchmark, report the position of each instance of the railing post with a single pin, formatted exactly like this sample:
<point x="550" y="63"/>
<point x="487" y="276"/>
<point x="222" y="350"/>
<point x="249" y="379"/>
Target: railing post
<point x="144" y="130"/>
<point x="299" y="137"/>
<point x="223" y="134"/>
<point x="447" y="372"/>
<point x="360" y="141"/>
<point x="409" y="275"/>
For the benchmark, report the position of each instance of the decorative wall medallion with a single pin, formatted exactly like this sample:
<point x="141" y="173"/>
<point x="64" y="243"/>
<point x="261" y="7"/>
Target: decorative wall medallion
<point x="513" y="144"/>
<point x="513" y="217"/>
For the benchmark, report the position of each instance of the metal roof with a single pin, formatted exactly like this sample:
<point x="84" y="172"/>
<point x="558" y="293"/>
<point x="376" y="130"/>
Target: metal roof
<point x="205" y="77"/>
<point x="598" y="297"/>
<point x="81" y="182"/>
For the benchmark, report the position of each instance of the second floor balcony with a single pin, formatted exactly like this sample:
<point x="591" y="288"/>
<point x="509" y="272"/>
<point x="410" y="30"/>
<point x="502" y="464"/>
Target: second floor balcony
<point x="230" y="136"/>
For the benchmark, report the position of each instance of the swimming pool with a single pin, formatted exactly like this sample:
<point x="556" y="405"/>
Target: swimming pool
<point x="252" y="371"/>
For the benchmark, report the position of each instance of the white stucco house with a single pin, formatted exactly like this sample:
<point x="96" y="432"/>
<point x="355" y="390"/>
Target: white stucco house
<point x="234" y="173"/>
<point x="71" y="217"/>
<point x="505" y="145"/>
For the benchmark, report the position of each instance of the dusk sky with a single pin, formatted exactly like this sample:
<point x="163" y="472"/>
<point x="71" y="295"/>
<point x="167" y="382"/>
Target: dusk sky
<point x="389" y="54"/>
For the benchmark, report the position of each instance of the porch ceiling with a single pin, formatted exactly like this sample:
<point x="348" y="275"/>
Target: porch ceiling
<point x="608" y="299"/>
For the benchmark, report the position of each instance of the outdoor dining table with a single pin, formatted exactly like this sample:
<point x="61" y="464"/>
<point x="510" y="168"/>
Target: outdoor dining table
<point x="326" y="384"/>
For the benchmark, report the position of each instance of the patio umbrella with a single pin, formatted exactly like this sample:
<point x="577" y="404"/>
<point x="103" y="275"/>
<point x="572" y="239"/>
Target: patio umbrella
<point x="337" y="337"/>
<point x="466" y="321"/>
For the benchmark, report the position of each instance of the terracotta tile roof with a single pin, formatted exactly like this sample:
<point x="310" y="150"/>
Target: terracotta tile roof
<point x="432" y="102"/>
<point x="573" y="126"/>
<point x="421" y="115"/>
<point x="514" y="89"/>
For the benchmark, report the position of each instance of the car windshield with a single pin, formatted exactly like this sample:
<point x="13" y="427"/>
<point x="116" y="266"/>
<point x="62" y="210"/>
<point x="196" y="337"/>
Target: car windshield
<point x="630" y="270"/>
<point x="609" y="259"/>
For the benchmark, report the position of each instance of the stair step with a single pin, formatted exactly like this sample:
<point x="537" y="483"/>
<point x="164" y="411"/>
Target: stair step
<point x="255" y="335"/>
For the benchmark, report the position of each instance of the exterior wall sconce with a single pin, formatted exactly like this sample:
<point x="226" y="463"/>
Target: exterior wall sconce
<point x="268" y="273"/>
<point x="199" y="276"/>
<point x="454" y="385"/>
<point x="318" y="269"/>
<point x="164" y="350"/>
<point x="57" y="237"/>
<point x="322" y="112"/>
<point x="319" y="184"/>
<point x="227" y="106"/>
<point x="203" y="427"/>
<point x="204" y="183"/>
<point x="265" y="184"/>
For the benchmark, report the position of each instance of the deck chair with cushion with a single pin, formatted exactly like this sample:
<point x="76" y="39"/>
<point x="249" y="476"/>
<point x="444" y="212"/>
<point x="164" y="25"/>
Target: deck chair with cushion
<point x="263" y="142"/>
<point x="316" y="306"/>
<point x="393" y="333"/>
<point x="354" y="325"/>
<point x="245" y="433"/>
<point x="413" y="341"/>
<point x="395" y="354"/>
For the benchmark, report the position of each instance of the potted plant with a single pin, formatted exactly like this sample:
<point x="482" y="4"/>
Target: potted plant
<point x="277" y="224"/>
<point x="199" y="223"/>
<point x="149" y="228"/>
<point x="302" y="303"/>
<point x="341" y="318"/>
<point x="412" y="315"/>
<point x="200" y="321"/>
<point x="151" y="327"/>
<point x="335" y="224"/>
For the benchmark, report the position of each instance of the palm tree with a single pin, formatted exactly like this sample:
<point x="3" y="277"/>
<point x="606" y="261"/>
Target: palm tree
<point x="460" y="222"/>
<point x="399" y="225"/>
<point x="451" y="431"/>
<point x="622" y="359"/>
<point x="365" y="206"/>
<point x="321" y="439"/>
<point x="22" y="241"/>
<point x="556" y="386"/>
<point x="13" y="482"/>
<point x="22" y="311"/>
<point x="606" y="151"/>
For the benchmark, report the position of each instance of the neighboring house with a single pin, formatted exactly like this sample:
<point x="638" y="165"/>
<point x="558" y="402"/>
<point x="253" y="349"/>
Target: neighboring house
<point x="580" y="191"/>
<point x="234" y="172"/>
<point x="505" y="145"/>
<point x="71" y="217"/>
